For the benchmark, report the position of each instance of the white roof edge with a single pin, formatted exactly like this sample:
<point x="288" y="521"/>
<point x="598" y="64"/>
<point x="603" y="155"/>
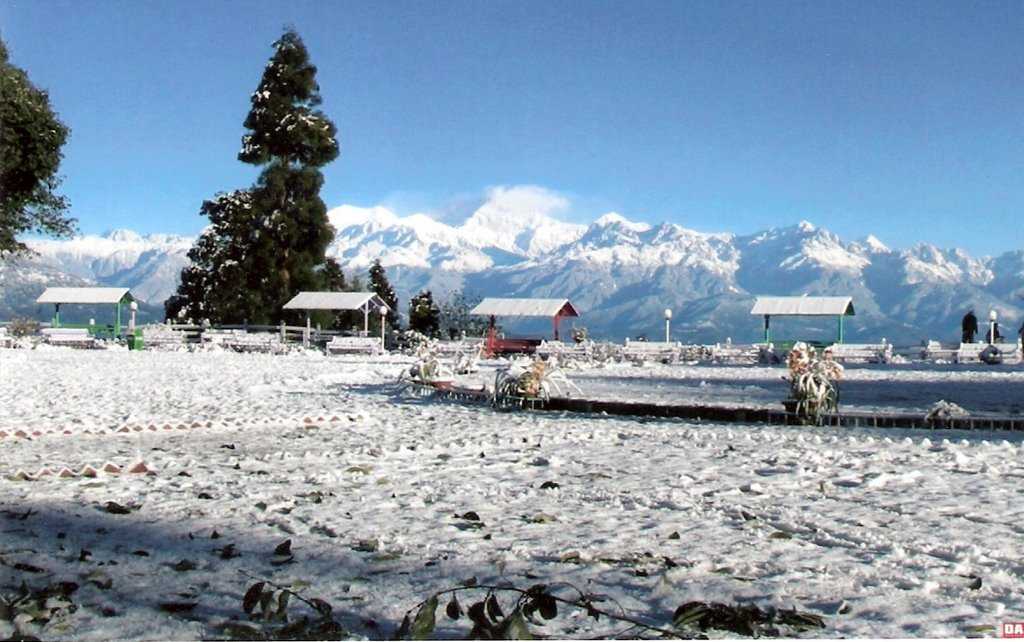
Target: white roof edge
<point x="502" y="307"/>
<point x="84" y="295"/>
<point x="804" y="305"/>
<point x="334" y="301"/>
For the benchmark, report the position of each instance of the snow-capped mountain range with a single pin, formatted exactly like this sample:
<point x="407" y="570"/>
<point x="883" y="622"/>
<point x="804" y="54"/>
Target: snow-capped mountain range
<point x="621" y="274"/>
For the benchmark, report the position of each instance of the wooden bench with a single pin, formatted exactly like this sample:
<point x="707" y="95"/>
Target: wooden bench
<point x="354" y="345"/>
<point x="69" y="337"/>
<point x="662" y="351"/>
<point x="861" y="352"/>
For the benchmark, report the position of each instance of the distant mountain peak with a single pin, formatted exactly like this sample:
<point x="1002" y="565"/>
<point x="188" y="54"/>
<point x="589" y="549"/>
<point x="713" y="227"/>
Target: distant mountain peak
<point x="874" y="245"/>
<point x="621" y="273"/>
<point x="614" y="218"/>
<point x="123" y="236"/>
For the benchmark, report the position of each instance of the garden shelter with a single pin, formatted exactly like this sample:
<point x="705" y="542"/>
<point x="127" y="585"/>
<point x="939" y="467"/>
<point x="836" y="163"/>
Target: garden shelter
<point x="803" y="306"/>
<point x="364" y="302"/>
<point x="556" y="309"/>
<point x="87" y="296"/>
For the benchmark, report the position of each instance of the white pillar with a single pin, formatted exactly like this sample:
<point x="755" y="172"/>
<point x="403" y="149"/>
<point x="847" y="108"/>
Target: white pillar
<point x="133" y="307"/>
<point x="305" y="335"/>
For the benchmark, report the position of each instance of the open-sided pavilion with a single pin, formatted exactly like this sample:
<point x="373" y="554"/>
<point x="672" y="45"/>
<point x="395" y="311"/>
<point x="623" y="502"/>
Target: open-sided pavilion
<point x="364" y="302"/>
<point x="87" y="296"/>
<point x="803" y="306"/>
<point x="555" y="309"/>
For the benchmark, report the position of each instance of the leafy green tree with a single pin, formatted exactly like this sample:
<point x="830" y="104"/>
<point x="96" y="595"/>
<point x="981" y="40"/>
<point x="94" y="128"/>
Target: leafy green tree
<point x="424" y="315"/>
<point x="270" y="240"/>
<point x="31" y="138"/>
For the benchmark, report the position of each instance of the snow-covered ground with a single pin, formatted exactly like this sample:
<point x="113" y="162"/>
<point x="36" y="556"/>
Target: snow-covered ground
<point x="904" y="388"/>
<point x="888" y="534"/>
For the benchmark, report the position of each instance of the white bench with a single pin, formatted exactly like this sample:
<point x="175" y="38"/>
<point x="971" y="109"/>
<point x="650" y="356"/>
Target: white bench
<point x="663" y="351"/>
<point x="565" y="351"/>
<point x="242" y="341"/>
<point x="452" y="348"/>
<point x="70" y="337"/>
<point x="971" y="352"/>
<point x="357" y="345"/>
<point x="935" y="351"/>
<point x="861" y="352"/>
<point x="160" y="335"/>
<point x="736" y="353"/>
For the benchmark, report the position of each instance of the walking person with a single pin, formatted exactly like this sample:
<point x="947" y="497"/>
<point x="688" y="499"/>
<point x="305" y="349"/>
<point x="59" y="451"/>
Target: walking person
<point x="969" y="327"/>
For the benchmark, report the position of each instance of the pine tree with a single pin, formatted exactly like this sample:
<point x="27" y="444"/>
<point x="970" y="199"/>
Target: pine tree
<point x="292" y="140"/>
<point x="424" y="315"/>
<point x="31" y="137"/>
<point x="455" y="317"/>
<point x="334" y="280"/>
<point x="382" y="287"/>
<point x="333" y="276"/>
<point x="267" y="243"/>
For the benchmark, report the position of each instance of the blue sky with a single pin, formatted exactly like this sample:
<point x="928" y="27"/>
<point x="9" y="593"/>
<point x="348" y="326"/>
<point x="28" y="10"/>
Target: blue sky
<point x="901" y="119"/>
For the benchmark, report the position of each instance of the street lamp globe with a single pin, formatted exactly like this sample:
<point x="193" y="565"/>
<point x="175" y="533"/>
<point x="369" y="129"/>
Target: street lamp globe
<point x="992" y="316"/>
<point x="668" y="313"/>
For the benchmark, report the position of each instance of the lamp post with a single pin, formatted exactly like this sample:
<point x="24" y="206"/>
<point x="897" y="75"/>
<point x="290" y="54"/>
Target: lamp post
<point x="383" y="324"/>
<point x="668" y="321"/>
<point x="992" y="316"/>
<point x="133" y="308"/>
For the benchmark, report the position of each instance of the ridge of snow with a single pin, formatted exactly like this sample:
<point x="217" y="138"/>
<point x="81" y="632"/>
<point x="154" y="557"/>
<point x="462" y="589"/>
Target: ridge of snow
<point x="614" y="218"/>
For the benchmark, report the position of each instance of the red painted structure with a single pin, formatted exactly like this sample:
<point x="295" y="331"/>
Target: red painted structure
<point x="557" y="309"/>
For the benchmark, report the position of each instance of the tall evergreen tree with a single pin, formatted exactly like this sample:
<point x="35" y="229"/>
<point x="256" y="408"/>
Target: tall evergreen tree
<point x="424" y="315"/>
<point x="269" y="241"/>
<point x="31" y="137"/>
<point x="382" y="287"/>
<point x="455" y="317"/>
<point x="333" y="276"/>
<point x="292" y="139"/>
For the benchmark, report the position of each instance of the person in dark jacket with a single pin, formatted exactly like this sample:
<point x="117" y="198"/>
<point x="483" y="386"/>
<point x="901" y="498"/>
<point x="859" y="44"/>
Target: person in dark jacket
<point x="1020" y="333"/>
<point x="969" y="326"/>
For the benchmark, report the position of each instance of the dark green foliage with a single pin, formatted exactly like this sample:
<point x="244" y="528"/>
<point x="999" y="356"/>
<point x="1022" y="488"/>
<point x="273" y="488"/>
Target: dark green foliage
<point x="748" y="619"/>
<point x="382" y="287"/>
<point x="333" y="277"/>
<point x="424" y="315"/>
<point x="223" y="282"/>
<point x="284" y="126"/>
<point x="31" y="138"/>
<point x="267" y="243"/>
<point x="268" y="608"/>
<point x="518" y="618"/>
<point x="455" y="317"/>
